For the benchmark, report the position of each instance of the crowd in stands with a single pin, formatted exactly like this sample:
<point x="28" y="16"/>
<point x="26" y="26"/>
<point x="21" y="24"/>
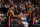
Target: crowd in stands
<point x="2" y="18"/>
<point x="25" y="7"/>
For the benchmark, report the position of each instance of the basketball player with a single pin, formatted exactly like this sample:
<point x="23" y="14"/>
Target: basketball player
<point x="12" y="12"/>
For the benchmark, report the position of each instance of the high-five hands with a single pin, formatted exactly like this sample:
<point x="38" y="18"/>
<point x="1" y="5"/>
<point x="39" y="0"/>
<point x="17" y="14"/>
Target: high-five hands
<point x="20" y="16"/>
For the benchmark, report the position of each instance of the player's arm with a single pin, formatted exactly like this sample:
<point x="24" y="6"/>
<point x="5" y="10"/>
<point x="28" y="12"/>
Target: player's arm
<point x="13" y="14"/>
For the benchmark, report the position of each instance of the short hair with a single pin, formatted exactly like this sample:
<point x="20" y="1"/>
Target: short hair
<point x="11" y="6"/>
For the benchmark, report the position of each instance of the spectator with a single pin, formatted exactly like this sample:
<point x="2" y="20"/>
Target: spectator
<point x="12" y="21"/>
<point x="0" y="20"/>
<point x="0" y="5"/>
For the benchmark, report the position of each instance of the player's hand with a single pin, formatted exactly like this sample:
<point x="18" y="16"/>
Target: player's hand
<point x="24" y="15"/>
<point x="20" y="16"/>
